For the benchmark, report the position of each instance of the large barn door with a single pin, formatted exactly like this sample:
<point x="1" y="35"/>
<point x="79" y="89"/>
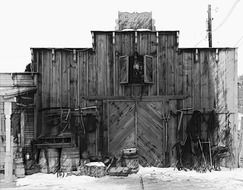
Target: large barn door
<point x="150" y="135"/>
<point x="121" y="125"/>
<point x="137" y="124"/>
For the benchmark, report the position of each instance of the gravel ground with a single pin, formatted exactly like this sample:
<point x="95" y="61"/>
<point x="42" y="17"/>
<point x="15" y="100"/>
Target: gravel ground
<point x="147" y="178"/>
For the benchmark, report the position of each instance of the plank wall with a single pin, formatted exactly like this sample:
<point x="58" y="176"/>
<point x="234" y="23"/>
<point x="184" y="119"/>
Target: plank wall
<point x="210" y="78"/>
<point x="67" y="76"/>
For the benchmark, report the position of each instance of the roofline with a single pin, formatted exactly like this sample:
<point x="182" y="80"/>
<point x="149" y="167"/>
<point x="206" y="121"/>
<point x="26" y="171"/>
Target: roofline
<point x="124" y="31"/>
<point x="205" y="48"/>
<point x="20" y="73"/>
<point x="63" y="48"/>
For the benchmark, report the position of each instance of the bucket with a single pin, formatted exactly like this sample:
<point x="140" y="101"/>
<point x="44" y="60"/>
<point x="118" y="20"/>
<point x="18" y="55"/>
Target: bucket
<point x="53" y="159"/>
<point x="69" y="159"/>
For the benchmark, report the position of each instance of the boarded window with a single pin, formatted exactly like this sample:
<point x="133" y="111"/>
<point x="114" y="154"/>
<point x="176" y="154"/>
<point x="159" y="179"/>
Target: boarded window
<point x="136" y="69"/>
<point x="148" y="69"/>
<point x="124" y="69"/>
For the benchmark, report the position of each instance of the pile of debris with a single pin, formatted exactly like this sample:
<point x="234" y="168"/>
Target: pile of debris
<point x="69" y="163"/>
<point x="201" y="149"/>
<point x="123" y="165"/>
<point x="126" y="164"/>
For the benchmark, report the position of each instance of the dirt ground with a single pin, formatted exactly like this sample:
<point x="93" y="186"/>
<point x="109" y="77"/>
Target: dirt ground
<point x="146" y="179"/>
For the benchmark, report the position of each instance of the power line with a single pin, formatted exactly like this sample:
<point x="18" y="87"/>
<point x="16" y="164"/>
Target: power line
<point x="240" y="44"/>
<point x="203" y="39"/>
<point x="228" y="15"/>
<point x="223" y="22"/>
<point x="238" y="41"/>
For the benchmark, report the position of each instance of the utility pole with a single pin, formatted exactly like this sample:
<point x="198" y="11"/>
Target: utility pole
<point x="209" y="27"/>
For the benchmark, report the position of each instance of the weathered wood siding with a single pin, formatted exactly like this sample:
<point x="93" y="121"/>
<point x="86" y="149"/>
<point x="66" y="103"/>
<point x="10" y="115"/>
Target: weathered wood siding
<point x="69" y="77"/>
<point x="64" y="81"/>
<point x="162" y="46"/>
<point x="210" y="78"/>
<point x="13" y="86"/>
<point x="146" y="125"/>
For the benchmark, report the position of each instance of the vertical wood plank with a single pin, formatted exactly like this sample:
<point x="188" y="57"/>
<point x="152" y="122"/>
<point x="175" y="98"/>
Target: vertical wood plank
<point x="187" y="78"/>
<point x="179" y="75"/>
<point x="211" y="81"/>
<point x="196" y="82"/>
<point x="204" y="62"/>
<point x="162" y="64"/>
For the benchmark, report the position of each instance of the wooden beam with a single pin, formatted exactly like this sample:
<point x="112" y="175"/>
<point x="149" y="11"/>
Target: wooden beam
<point x="137" y="98"/>
<point x="22" y="125"/>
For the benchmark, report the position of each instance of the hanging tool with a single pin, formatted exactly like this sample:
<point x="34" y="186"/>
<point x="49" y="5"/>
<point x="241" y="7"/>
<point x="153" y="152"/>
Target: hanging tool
<point x="166" y="118"/>
<point x="201" y="148"/>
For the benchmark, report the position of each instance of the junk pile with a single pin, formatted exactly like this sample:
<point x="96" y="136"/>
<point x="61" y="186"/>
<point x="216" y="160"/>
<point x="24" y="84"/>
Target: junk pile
<point x="92" y="169"/>
<point x="67" y="162"/>
<point x="200" y="150"/>
<point x="124" y="165"/>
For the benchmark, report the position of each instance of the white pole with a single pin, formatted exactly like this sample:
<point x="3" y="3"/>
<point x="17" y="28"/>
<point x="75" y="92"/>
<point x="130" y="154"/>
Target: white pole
<point x="9" y="153"/>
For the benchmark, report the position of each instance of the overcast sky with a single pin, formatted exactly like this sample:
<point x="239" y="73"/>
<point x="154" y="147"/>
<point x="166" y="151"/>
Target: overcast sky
<point x="59" y="23"/>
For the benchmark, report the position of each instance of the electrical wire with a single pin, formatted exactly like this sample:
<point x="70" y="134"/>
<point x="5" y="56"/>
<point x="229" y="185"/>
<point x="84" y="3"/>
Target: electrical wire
<point x="240" y="44"/>
<point x="200" y="41"/>
<point x="239" y="41"/>
<point x="223" y="22"/>
<point x="227" y="16"/>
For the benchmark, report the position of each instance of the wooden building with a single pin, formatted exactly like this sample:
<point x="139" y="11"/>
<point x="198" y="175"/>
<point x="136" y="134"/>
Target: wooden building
<point x="16" y="119"/>
<point x="137" y="81"/>
<point x="132" y="88"/>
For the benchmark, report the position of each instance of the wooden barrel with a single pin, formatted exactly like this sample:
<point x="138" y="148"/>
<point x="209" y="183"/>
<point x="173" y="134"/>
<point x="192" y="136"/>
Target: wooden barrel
<point x="19" y="170"/>
<point x="43" y="162"/>
<point x="53" y="159"/>
<point x="132" y="163"/>
<point x="70" y="158"/>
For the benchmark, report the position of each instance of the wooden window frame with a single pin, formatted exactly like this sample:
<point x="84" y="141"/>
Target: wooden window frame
<point x="127" y="69"/>
<point x="146" y="80"/>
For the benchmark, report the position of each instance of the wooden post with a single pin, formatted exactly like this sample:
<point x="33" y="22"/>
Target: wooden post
<point x="22" y="123"/>
<point x="172" y="132"/>
<point x="8" y="167"/>
<point x="209" y="27"/>
<point x="136" y="124"/>
<point x="36" y="102"/>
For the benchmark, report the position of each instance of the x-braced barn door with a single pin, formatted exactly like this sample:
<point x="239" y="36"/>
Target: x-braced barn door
<point x="121" y="123"/>
<point x="137" y="124"/>
<point x="150" y="134"/>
